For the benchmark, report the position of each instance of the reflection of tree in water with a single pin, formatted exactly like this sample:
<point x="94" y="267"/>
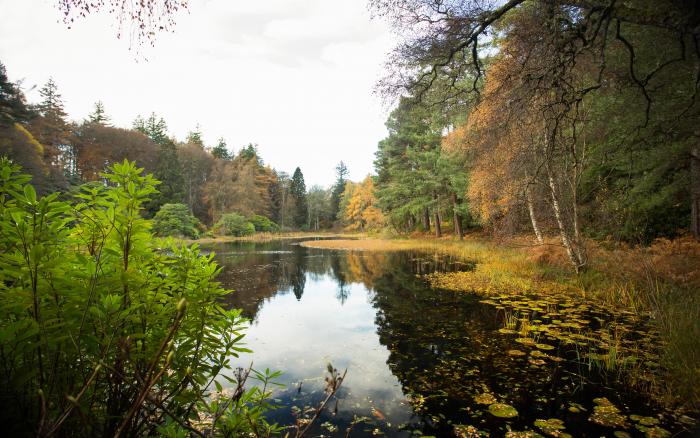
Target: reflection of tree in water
<point x="445" y="350"/>
<point x="298" y="273"/>
<point x="343" y="291"/>
<point x="444" y="347"/>
<point x="258" y="271"/>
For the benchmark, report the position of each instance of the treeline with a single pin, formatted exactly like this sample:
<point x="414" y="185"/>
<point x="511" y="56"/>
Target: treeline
<point x="211" y="182"/>
<point x="579" y="121"/>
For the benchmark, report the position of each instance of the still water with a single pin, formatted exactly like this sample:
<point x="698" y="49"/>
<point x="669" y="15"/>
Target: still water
<point x="425" y="361"/>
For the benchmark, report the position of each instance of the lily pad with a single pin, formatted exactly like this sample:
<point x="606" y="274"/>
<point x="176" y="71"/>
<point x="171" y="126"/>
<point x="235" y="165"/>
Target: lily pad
<point x="503" y="410"/>
<point x="485" y="399"/>
<point x="657" y="432"/>
<point x="644" y="421"/>
<point x="544" y="346"/>
<point x="576" y="408"/>
<point x="516" y="353"/>
<point x="526" y="341"/>
<point x="466" y="431"/>
<point x="551" y="427"/>
<point x="607" y="414"/>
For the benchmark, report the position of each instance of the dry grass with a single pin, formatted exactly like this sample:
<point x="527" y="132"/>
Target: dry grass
<point x="361" y="244"/>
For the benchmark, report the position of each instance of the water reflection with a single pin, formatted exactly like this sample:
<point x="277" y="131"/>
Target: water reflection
<point x="417" y="357"/>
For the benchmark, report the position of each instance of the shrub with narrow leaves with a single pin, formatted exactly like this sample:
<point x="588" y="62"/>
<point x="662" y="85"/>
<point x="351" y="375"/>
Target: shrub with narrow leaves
<point x="106" y="331"/>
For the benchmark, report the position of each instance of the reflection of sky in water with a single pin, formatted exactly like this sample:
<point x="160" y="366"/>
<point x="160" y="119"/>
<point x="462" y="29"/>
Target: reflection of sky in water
<point x="370" y="313"/>
<point x="300" y="337"/>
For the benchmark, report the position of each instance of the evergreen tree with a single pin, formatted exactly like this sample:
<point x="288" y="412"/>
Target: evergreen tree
<point x="220" y="151"/>
<point x="98" y="115"/>
<point x="54" y="133"/>
<point x="195" y="137"/>
<point x="297" y="190"/>
<point x="405" y="163"/>
<point x="154" y="127"/>
<point x="341" y="172"/>
<point x="169" y="172"/>
<point x="13" y="107"/>
<point x="250" y="151"/>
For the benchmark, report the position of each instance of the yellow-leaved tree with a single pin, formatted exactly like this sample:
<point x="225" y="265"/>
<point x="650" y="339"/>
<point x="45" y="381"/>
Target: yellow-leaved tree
<point x="360" y="211"/>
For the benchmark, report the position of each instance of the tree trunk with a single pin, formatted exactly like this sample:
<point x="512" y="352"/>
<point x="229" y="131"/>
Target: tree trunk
<point x="457" y="220"/>
<point x="426" y="220"/>
<point x="438" y="220"/>
<point x="695" y="191"/>
<point x="533" y="218"/>
<point x="438" y="231"/>
<point x="572" y="248"/>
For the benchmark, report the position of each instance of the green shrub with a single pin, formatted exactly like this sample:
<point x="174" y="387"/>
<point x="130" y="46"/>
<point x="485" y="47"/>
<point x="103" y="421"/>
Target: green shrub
<point x="105" y="331"/>
<point x="263" y="224"/>
<point x="175" y="220"/>
<point x="234" y="224"/>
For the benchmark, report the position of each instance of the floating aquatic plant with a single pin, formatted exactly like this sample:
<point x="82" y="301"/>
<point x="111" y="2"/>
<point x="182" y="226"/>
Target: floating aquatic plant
<point x="525" y="434"/>
<point x="526" y="341"/>
<point x="654" y="432"/>
<point x="552" y="427"/>
<point x="503" y="410"/>
<point x="466" y="431"/>
<point x="607" y="414"/>
<point x="485" y="399"/>
<point x="644" y="421"/>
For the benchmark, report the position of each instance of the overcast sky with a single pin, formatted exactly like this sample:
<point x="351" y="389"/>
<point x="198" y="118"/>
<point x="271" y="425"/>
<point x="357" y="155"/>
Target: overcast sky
<point x="293" y="76"/>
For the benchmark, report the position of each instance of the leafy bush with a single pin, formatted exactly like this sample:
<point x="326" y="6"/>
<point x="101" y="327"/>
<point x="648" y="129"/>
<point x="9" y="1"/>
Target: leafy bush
<point x="263" y="224"/>
<point x="102" y="333"/>
<point x="175" y="220"/>
<point x="234" y="224"/>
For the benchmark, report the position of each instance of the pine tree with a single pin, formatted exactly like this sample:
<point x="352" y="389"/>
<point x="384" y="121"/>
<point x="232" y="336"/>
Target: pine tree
<point x="169" y="173"/>
<point x="341" y="172"/>
<point x="13" y="108"/>
<point x="155" y="128"/>
<point x="405" y="164"/>
<point x="195" y="137"/>
<point x="53" y="132"/>
<point x="220" y="151"/>
<point x="99" y="115"/>
<point x="52" y="104"/>
<point x="250" y="151"/>
<point x="297" y="190"/>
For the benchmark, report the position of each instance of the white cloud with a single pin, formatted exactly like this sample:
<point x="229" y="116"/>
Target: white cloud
<point x="293" y="76"/>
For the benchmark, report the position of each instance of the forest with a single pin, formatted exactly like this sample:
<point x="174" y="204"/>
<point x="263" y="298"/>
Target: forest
<point x="208" y="183"/>
<point x="553" y="145"/>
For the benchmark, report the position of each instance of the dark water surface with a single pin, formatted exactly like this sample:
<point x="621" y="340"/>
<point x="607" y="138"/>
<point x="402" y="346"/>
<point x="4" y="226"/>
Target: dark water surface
<point x="420" y="360"/>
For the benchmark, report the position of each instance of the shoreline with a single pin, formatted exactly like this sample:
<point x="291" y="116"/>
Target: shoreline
<point x="269" y="237"/>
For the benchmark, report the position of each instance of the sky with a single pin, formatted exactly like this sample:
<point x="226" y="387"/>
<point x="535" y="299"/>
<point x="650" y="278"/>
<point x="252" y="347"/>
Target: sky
<point x="295" y="77"/>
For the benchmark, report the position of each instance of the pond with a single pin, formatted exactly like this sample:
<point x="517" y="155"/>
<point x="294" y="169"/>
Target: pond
<point x="422" y="361"/>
